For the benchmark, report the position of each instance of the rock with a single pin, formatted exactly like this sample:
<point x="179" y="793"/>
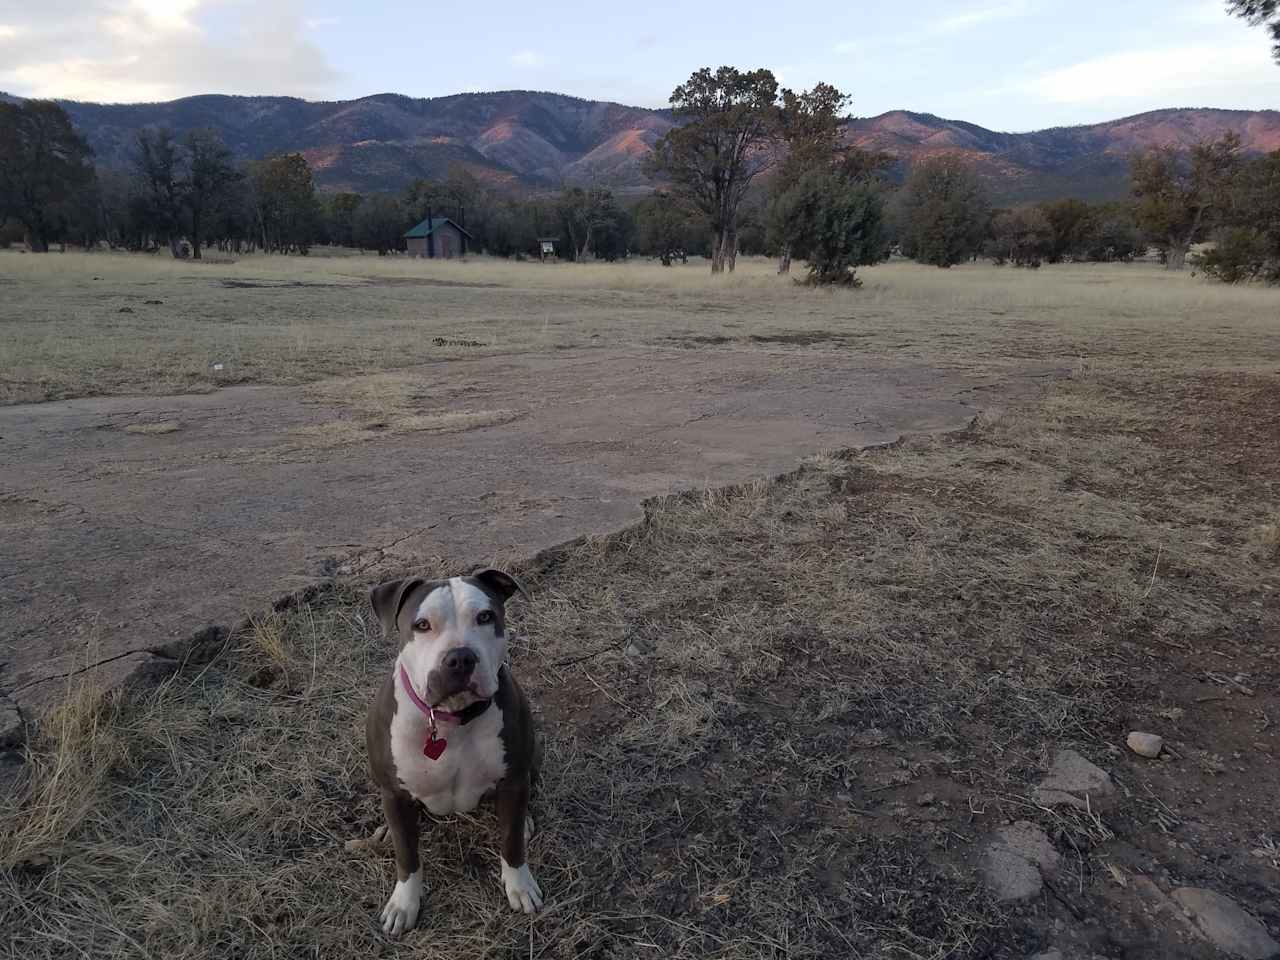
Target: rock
<point x="1051" y="954"/>
<point x="1016" y="860"/>
<point x="11" y="729"/>
<point x="1145" y="744"/>
<point x="125" y="310"/>
<point x="1226" y="925"/>
<point x="1075" y="781"/>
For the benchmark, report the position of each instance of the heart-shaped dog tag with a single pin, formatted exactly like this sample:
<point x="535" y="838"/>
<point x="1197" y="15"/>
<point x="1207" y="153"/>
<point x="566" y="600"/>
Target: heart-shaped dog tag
<point x="434" y="748"/>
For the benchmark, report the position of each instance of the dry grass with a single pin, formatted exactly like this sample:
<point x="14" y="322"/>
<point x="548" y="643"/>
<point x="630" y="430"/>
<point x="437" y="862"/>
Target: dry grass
<point x="780" y="718"/>
<point x="292" y="319"/>
<point x="154" y="429"/>
<point x="79" y="747"/>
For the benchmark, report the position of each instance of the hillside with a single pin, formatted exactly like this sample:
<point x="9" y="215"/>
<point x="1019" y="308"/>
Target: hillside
<point x="530" y="139"/>
<point x="1087" y="161"/>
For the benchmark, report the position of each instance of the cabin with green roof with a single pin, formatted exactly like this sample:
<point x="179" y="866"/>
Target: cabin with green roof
<point x="437" y="237"/>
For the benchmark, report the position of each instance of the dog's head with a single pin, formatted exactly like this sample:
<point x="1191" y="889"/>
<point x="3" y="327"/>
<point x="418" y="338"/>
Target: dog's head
<point x="452" y="633"/>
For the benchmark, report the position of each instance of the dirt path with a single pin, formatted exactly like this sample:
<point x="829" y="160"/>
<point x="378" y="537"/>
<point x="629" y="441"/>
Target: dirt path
<point x="123" y="545"/>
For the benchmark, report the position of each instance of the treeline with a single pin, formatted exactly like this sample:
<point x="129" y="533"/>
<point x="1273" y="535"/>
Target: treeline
<point x="1209" y="194"/>
<point x="751" y="169"/>
<point x="188" y="193"/>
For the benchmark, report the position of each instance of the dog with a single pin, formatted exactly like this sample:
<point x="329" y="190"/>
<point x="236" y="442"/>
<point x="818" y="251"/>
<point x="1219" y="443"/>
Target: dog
<point x="450" y="726"/>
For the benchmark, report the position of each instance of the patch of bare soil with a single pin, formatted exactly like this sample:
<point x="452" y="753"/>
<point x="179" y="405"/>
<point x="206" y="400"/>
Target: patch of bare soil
<point x="782" y="720"/>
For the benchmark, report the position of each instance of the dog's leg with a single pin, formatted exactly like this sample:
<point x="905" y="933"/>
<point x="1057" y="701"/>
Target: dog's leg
<point x="401" y="911"/>
<point x="523" y="892"/>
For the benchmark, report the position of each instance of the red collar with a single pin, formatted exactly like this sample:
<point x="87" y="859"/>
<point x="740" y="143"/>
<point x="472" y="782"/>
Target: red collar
<point x="435" y="714"/>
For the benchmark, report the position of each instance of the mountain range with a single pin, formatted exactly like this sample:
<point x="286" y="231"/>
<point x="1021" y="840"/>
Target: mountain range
<point x="533" y="140"/>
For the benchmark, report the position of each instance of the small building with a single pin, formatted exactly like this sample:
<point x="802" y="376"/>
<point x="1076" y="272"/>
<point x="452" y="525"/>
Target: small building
<point x="437" y="237"/>
<point x="547" y="247"/>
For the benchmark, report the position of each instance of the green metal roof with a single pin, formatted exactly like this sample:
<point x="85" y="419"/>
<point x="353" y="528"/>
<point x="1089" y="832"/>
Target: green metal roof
<point x="427" y="227"/>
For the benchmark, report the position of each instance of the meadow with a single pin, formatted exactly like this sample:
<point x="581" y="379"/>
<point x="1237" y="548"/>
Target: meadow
<point x="83" y="325"/>
<point x="782" y="718"/>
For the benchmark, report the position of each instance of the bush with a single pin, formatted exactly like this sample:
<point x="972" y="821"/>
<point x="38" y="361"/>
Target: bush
<point x="834" y="222"/>
<point x="1239" y="254"/>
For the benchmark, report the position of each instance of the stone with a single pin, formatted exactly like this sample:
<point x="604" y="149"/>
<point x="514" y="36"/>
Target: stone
<point x="1051" y="954"/>
<point x="1016" y="860"/>
<point x="1145" y="744"/>
<point x="1075" y="781"/>
<point x="11" y="729"/>
<point x="1226" y="925"/>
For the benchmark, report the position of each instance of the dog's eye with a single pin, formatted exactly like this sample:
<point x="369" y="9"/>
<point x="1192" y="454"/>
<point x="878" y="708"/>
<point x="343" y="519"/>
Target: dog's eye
<point x="422" y="625"/>
<point x="484" y="616"/>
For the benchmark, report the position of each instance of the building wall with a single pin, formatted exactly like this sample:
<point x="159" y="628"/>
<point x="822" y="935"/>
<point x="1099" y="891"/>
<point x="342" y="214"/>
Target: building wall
<point x="448" y="243"/>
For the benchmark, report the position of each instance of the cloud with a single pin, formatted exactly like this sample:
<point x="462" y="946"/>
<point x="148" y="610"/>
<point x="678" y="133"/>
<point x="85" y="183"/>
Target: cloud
<point x="7" y="32"/>
<point x="931" y="32"/>
<point x="1187" y="75"/>
<point x="968" y="19"/>
<point x="319" y="23"/>
<point x="527" y="58"/>
<point x="132" y="50"/>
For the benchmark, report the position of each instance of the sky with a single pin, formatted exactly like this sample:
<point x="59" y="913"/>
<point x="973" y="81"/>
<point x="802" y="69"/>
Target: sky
<point x="1005" y="64"/>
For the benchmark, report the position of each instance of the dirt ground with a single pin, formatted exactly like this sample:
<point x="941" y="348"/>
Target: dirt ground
<point x="135" y="524"/>
<point x="783" y="718"/>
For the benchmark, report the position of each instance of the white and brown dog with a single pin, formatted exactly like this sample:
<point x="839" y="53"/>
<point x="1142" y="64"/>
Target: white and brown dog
<point x="450" y="726"/>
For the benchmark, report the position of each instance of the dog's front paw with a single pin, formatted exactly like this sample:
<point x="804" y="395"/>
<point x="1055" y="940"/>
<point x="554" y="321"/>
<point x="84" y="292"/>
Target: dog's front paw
<point x="523" y="892"/>
<point x="401" y="911"/>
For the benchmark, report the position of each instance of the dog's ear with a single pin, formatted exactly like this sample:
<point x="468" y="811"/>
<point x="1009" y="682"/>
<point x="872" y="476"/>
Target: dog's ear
<point x="387" y="599"/>
<point x="501" y="583"/>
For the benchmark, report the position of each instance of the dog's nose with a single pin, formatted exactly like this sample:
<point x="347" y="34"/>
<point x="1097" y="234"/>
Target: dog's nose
<point x="460" y="660"/>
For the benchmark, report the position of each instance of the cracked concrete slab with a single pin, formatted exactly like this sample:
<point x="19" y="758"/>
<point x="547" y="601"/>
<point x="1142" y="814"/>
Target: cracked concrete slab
<point x="121" y="542"/>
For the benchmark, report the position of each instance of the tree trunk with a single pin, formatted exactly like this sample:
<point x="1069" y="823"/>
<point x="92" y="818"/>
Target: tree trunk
<point x="719" y="247"/>
<point x="36" y="240"/>
<point x="195" y="235"/>
<point x="731" y="250"/>
<point x="784" y="259"/>
<point x="174" y="248"/>
<point x="1177" y="256"/>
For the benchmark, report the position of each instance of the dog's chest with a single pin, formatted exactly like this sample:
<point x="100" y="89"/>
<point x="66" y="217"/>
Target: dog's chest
<point x="473" y="761"/>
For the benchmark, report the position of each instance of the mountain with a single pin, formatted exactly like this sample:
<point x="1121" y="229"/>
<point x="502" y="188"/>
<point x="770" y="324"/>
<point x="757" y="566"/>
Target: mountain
<point x="1090" y="162"/>
<point x="521" y="138"/>
<point x="382" y="142"/>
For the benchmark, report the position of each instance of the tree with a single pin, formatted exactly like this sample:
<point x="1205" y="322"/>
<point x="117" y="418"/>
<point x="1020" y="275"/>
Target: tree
<point x="159" y="165"/>
<point x="339" y="210"/>
<point x="835" y="222"/>
<point x="210" y="176"/>
<point x="285" y="203"/>
<point x="664" y="227"/>
<point x="1112" y="235"/>
<point x="593" y="222"/>
<point x="715" y="152"/>
<point x="44" y="163"/>
<point x="1023" y="235"/>
<point x="809" y="126"/>
<point x="1260" y="13"/>
<point x="945" y="212"/>
<point x="1069" y="223"/>
<point x="1178" y="192"/>
<point x="1247" y="243"/>
<point x="378" y="224"/>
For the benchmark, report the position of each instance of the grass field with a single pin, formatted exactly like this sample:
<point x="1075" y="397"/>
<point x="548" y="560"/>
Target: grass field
<point x="78" y="325"/>
<point x="781" y="718"/>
